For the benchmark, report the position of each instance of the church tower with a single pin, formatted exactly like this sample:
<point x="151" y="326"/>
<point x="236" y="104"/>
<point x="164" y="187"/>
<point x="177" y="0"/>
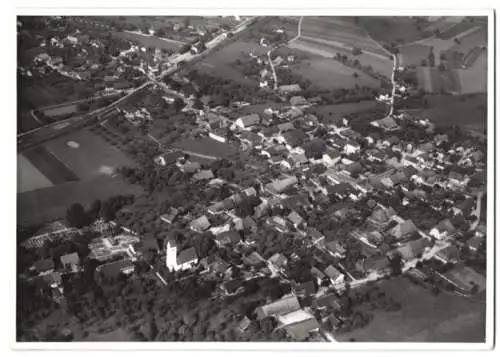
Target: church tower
<point x="171" y="255"/>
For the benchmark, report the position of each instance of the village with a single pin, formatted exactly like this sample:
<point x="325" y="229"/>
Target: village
<point x="330" y="207"/>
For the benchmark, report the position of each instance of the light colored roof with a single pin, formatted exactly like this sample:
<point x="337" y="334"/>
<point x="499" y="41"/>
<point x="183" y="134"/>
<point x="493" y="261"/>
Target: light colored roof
<point x="294" y="317"/>
<point x="300" y="330"/>
<point x="251" y="119"/>
<point x="404" y="228"/>
<point x="70" y="259"/>
<point x="282" y="306"/>
<point x="332" y="272"/>
<point x="200" y="223"/>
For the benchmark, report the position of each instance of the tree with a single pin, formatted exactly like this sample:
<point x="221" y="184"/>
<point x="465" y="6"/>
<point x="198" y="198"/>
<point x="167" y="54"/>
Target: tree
<point x="178" y="104"/>
<point x="396" y="264"/>
<point x="94" y="209"/>
<point x="107" y="212"/>
<point x="76" y="216"/>
<point x="356" y="51"/>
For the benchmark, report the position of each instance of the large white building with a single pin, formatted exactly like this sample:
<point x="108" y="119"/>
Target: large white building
<point x="186" y="259"/>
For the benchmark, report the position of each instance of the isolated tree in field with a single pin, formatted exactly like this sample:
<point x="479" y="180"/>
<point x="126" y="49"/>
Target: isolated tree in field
<point x="355" y="75"/>
<point x="356" y="51"/>
<point x="76" y="216"/>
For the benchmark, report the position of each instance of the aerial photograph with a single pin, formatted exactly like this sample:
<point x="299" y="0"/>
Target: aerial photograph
<point x="252" y="179"/>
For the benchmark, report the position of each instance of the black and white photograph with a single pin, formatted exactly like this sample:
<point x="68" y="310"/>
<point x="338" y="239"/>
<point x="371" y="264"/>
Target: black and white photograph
<point x="255" y="178"/>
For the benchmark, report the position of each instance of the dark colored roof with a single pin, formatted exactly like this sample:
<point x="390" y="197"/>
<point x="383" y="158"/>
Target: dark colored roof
<point x="232" y="285"/>
<point x="307" y="288"/>
<point x="44" y="265"/>
<point x="329" y="300"/>
<point x="341" y="188"/>
<point x="413" y="248"/>
<point x="466" y="205"/>
<point x="446" y="225"/>
<point x="231" y="236"/>
<point x="355" y="168"/>
<point x="114" y="269"/>
<point x="52" y="278"/>
<point x="393" y="140"/>
<point x="294" y="137"/>
<point x="187" y="255"/>
<point x="456" y="176"/>
<point x="449" y="253"/>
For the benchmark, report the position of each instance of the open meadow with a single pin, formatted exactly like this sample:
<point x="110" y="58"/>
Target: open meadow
<point x="51" y="203"/>
<point x="474" y="78"/>
<point x="424" y="317"/>
<point x="219" y="62"/>
<point x="327" y="73"/>
<point x="149" y="41"/>
<point x="338" y="30"/>
<point x="92" y="156"/>
<point x="451" y="110"/>
<point x="29" y="177"/>
<point x="328" y="49"/>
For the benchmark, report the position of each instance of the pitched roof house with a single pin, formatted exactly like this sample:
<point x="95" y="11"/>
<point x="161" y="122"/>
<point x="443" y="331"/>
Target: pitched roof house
<point x="248" y="120"/>
<point x="70" y="261"/>
<point x="442" y="229"/>
<point x="449" y="254"/>
<point x="334" y="275"/>
<point x="44" y="266"/>
<point x="200" y="224"/>
<point x="279" y="307"/>
<point x="403" y="229"/>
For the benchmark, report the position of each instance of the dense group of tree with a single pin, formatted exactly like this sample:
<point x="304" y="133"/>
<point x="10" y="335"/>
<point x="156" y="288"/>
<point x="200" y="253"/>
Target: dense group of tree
<point x="77" y="216"/>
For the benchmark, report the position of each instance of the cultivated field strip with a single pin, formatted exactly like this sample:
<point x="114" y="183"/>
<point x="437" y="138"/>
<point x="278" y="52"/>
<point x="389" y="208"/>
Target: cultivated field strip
<point x="49" y="165"/>
<point x="340" y="32"/>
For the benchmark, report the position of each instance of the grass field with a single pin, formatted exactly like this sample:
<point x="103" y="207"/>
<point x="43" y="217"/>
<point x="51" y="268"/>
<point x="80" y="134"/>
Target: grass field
<point x="328" y="51"/>
<point x="423" y="317"/>
<point x="413" y="54"/>
<point x="26" y="122"/>
<point x="432" y="80"/>
<point x="38" y="95"/>
<point x="328" y="73"/>
<point x="339" y="30"/>
<point x="48" y="204"/>
<point x="389" y="29"/>
<point x="149" y="41"/>
<point x="28" y="176"/>
<point x="456" y="30"/>
<point x="93" y="157"/>
<point x="450" y="110"/>
<point x="50" y="165"/>
<point x="67" y="109"/>
<point x="219" y="62"/>
<point x="474" y="78"/>
<point x="474" y="38"/>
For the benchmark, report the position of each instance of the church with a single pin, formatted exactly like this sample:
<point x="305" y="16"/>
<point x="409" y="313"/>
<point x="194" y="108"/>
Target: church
<point x="184" y="260"/>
